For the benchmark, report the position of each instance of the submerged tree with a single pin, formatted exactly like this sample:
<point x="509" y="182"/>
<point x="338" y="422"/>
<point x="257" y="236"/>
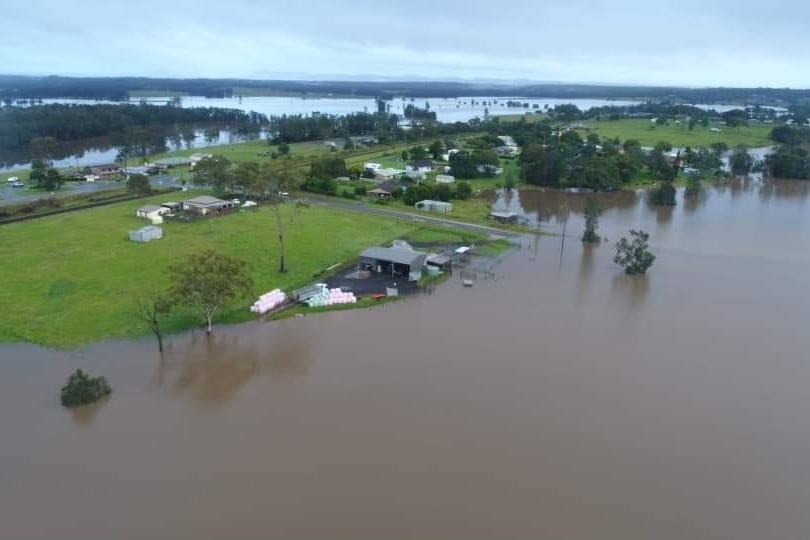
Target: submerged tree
<point x="151" y="311"/>
<point x="634" y="256"/>
<point x="207" y="282"/>
<point x="692" y="185"/>
<point x="592" y="212"/>
<point x="664" y="195"/>
<point x="82" y="389"/>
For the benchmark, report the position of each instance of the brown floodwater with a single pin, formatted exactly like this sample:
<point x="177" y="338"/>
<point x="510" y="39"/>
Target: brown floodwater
<point x="557" y="398"/>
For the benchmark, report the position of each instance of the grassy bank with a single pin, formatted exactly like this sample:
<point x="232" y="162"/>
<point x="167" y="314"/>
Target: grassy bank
<point x="75" y="278"/>
<point x="680" y="135"/>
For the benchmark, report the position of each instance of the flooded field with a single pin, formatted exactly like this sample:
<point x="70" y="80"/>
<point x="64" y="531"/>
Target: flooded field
<point x="556" y="398"/>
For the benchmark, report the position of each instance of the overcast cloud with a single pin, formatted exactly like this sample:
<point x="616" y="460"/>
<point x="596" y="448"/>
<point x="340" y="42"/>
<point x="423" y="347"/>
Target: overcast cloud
<point x="685" y="42"/>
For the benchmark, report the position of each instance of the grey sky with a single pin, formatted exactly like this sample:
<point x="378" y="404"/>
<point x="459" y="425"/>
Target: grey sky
<point x="685" y="42"/>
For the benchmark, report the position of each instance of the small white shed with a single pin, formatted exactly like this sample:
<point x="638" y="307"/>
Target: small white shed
<point x="435" y="206"/>
<point x="445" y="179"/>
<point x="145" y="234"/>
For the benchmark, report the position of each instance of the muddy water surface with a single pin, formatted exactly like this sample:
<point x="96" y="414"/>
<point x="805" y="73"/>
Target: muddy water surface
<point x="556" y="398"/>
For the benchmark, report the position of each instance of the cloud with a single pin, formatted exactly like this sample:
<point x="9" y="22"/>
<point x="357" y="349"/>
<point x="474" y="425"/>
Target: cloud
<point x="720" y="43"/>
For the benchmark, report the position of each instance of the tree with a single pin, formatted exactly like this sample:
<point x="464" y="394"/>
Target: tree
<point x="215" y="172"/>
<point x="741" y="161"/>
<point x="38" y="171"/>
<point x="329" y="167"/>
<point x="436" y="150"/>
<point x="283" y="149"/>
<point x="592" y="212"/>
<point x="634" y="256"/>
<point x="660" y="167"/>
<point x="404" y="155"/>
<point x="542" y="166"/>
<point x="442" y="192"/>
<point x="462" y="165"/>
<point x="348" y="143"/>
<point x="664" y="195"/>
<point x="509" y="180"/>
<point x="82" y="389"/>
<point x="53" y="180"/>
<point x="463" y="191"/>
<point x="151" y="311"/>
<point x="207" y="282"/>
<point x="139" y="183"/>
<point x="44" y="148"/>
<point x="282" y="182"/>
<point x="417" y="153"/>
<point x="692" y="185"/>
<point x="719" y="148"/>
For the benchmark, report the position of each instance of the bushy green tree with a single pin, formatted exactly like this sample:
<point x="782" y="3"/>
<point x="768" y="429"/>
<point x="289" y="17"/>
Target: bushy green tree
<point x="207" y="282"/>
<point x="82" y="389"/>
<point x="463" y="190"/>
<point x="634" y="255"/>
<point x="214" y="172"/>
<point x="139" y="183"/>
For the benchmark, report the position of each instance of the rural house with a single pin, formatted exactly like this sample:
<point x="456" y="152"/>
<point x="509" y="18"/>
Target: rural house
<point x="107" y="170"/>
<point x="387" y="174"/>
<point x="421" y="166"/>
<point x="151" y="211"/>
<point x="383" y="191"/>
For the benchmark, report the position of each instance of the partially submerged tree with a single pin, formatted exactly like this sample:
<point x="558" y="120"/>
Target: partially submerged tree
<point x="664" y="195"/>
<point x="634" y="256"/>
<point x="592" y="212"/>
<point x="82" y="389"/>
<point x="692" y="185"/>
<point x="207" y="282"/>
<point x="151" y="311"/>
<point x="741" y="161"/>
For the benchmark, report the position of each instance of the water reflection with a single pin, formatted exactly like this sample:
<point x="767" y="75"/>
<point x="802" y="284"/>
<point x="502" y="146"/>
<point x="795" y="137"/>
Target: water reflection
<point x="84" y="416"/>
<point x="632" y="289"/>
<point x="783" y="189"/>
<point x="213" y="369"/>
<point x="550" y="205"/>
<point x="694" y="201"/>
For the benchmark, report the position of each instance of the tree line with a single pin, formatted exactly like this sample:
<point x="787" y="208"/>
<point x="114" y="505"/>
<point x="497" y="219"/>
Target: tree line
<point x="383" y="127"/>
<point x="22" y="126"/>
<point x="118" y="88"/>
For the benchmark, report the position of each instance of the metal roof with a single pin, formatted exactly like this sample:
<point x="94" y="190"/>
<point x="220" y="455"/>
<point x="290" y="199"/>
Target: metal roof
<point x="440" y="260"/>
<point x="414" y="259"/>
<point x="149" y="208"/>
<point x="205" y="200"/>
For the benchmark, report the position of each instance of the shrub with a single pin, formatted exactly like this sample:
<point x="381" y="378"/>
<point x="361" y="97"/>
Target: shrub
<point x="82" y="389"/>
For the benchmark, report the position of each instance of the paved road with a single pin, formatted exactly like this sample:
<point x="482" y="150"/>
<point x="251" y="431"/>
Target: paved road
<point x="375" y="210"/>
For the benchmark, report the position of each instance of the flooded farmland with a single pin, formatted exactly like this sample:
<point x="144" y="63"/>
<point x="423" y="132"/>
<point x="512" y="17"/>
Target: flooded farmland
<point x="556" y="398"/>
